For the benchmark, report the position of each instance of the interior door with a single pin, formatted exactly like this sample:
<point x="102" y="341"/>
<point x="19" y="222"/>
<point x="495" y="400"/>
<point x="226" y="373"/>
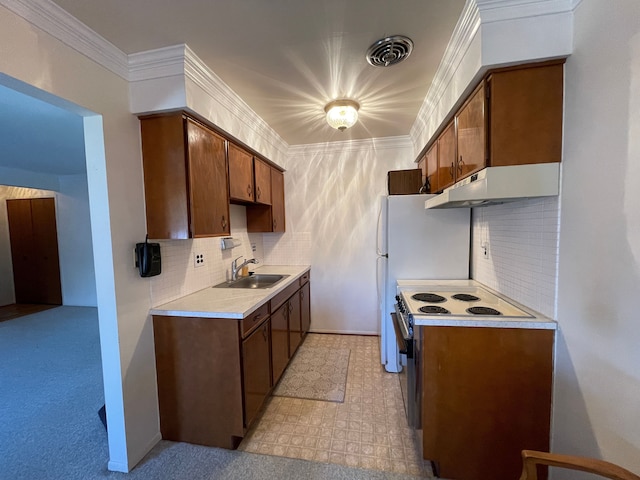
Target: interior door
<point x="34" y="250"/>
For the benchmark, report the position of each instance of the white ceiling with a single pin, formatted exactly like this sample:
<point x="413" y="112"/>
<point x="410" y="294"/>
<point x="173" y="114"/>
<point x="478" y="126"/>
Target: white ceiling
<point x="287" y="58"/>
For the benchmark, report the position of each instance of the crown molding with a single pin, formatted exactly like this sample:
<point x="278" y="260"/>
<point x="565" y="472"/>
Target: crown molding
<point x="198" y="72"/>
<point x="499" y="10"/>
<point x="463" y="34"/>
<point x="349" y="146"/>
<point x="58" y="23"/>
<point x="159" y="63"/>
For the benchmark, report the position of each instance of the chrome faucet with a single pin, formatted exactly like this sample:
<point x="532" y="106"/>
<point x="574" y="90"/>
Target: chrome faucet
<point x="235" y="268"/>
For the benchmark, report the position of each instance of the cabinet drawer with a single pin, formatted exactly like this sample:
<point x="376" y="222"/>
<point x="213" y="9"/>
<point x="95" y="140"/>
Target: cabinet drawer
<point x="304" y="278"/>
<point x="283" y="296"/>
<point x="255" y="318"/>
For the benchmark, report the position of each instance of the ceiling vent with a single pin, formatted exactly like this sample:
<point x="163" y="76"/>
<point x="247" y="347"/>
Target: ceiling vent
<point x="389" y="51"/>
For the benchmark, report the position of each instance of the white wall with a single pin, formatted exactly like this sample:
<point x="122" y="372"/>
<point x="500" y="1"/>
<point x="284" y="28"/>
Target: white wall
<point x="77" y="273"/>
<point x="332" y="200"/>
<point x="114" y="171"/>
<point x="598" y="356"/>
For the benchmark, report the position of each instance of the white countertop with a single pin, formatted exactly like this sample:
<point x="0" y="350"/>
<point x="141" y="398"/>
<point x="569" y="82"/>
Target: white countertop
<point x="535" y="321"/>
<point x="230" y="302"/>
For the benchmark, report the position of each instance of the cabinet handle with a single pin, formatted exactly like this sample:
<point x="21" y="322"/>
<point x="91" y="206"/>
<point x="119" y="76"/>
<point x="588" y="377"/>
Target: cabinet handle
<point x="451" y="171"/>
<point x="223" y="222"/>
<point x="290" y="307"/>
<point x="258" y="192"/>
<point x="249" y="190"/>
<point x="275" y="223"/>
<point x="460" y="164"/>
<point x="301" y="295"/>
<point x="265" y="334"/>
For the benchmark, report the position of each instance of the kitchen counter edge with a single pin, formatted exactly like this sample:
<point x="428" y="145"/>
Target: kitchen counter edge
<point x="235" y="303"/>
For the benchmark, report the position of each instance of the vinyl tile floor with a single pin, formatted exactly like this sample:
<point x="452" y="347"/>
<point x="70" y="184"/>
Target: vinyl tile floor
<point x="368" y="430"/>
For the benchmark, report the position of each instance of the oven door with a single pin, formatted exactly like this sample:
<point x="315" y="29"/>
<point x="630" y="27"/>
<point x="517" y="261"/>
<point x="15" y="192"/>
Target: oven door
<point x="408" y="376"/>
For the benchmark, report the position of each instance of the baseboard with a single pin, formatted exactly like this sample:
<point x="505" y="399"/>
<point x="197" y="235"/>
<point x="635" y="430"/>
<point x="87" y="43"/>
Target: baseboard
<point x="135" y="458"/>
<point x="346" y="332"/>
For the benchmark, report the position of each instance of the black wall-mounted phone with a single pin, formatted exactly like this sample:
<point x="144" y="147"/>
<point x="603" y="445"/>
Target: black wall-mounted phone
<point x="148" y="258"/>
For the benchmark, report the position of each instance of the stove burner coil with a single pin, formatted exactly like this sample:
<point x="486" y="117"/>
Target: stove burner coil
<point x="433" y="309"/>
<point x="428" y="297"/>
<point x="465" y="297"/>
<point x="483" y="311"/>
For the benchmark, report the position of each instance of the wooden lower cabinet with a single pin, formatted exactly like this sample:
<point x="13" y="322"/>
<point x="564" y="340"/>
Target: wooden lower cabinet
<point x="295" y="323"/>
<point x="255" y="371"/>
<point x="214" y="374"/>
<point x="279" y="341"/>
<point x="199" y="373"/>
<point x="305" y="308"/>
<point x="486" y="397"/>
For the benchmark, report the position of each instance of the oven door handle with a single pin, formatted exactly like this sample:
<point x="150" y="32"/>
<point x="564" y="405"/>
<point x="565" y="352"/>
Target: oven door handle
<point x="402" y="343"/>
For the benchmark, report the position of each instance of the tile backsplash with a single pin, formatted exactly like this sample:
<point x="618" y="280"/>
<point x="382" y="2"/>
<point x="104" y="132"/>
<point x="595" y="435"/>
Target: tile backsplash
<point x="521" y="241"/>
<point x="181" y="277"/>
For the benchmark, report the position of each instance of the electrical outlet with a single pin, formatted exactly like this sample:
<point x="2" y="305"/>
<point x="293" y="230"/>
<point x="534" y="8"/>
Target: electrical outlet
<point x="198" y="260"/>
<point x="253" y="247"/>
<point x="485" y="250"/>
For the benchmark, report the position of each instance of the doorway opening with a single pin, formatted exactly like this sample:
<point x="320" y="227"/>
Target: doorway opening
<point x="47" y="144"/>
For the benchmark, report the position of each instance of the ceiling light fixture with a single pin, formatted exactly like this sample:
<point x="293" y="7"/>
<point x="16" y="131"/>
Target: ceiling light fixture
<point x="342" y="114"/>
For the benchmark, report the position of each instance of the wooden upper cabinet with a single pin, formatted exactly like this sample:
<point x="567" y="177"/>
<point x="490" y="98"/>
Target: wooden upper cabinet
<point x="240" y="174"/>
<point x="262" y="181"/>
<point x="526" y="108"/>
<point x="471" y="135"/>
<point x="513" y="117"/>
<point x="208" y="181"/>
<point x="185" y="178"/>
<point x="277" y="200"/>
<point x="446" y="158"/>
<point x="269" y="218"/>
<point x="431" y="169"/>
<point x="422" y="165"/>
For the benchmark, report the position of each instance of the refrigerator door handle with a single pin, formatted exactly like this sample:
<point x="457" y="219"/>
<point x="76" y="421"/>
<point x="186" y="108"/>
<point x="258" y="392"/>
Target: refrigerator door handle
<point x="379" y="232"/>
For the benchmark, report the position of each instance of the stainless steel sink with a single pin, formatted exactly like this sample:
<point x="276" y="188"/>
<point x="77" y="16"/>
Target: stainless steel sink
<point x="253" y="281"/>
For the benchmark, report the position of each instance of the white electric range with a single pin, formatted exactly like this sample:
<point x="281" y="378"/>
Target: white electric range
<point x="464" y="303"/>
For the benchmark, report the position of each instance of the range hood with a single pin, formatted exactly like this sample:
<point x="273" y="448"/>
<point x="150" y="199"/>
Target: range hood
<point x="499" y="185"/>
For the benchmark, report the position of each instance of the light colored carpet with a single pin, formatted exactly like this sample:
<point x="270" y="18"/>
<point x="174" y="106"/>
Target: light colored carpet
<point x="316" y="373"/>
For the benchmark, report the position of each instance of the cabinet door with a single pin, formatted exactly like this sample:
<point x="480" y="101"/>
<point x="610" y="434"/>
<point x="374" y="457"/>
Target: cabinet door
<point x="166" y="189"/>
<point x="208" y="181"/>
<point x="305" y="307"/>
<point x="483" y="403"/>
<point x="279" y="341"/>
<point x="263" y="181"/>
<point x="255" y="371"/>
<point x="431" y="168"/>
<point x="471" y="135"/>
<point x="277" y="200"/>
<point x="525" y="108"/>
<point x="240" y="174"/>
<point x="295" y="323"/>
<point x="422" y="165"/>
<point x="446" y="157"/>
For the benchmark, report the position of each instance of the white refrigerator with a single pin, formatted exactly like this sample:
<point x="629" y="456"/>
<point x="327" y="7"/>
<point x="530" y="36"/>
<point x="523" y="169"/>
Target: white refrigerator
<point x="416" y="244"/>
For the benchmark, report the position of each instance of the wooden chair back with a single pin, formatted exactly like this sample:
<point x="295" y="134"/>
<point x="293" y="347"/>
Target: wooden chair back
<point x="531" y="458"/>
